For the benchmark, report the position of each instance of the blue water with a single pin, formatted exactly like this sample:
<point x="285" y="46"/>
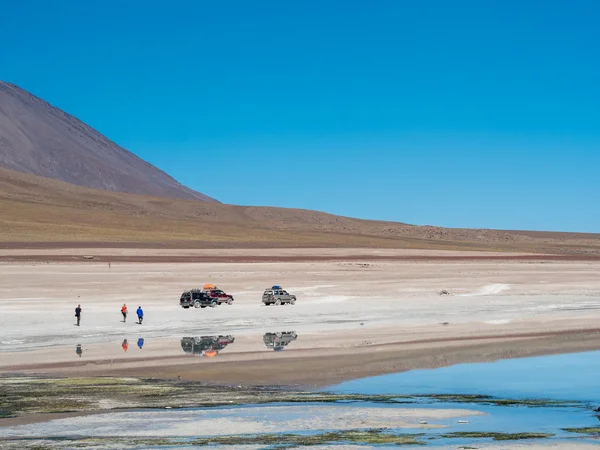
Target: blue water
<point x="570" y="377"/>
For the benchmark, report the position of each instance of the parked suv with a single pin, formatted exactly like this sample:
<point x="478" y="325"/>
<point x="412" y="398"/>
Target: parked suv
<point x="220" y="296"/>
<point x="206" y="345"/>
<point x="277" y="341"/>
<point x="277" y="296"/>
<point x="197" y="299"/>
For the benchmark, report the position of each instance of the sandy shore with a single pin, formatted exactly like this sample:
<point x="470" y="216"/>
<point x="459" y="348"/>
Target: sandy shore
<point x="242" y="420"/>
<point x="566" y="445"/>
<point x="353" y="318"/>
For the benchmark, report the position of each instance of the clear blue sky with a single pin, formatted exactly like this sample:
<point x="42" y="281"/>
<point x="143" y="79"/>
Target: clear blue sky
<point x="456" y="113"/>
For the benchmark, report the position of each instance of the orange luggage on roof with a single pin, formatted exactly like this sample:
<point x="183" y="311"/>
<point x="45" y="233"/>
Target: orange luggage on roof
<point x="209" y="286"/>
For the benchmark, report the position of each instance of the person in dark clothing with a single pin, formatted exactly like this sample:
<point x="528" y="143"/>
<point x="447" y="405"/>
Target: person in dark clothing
<point x="140" y="314"/>
<point x="78" y="314"/>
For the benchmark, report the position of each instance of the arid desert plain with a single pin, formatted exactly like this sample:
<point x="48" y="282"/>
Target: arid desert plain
<point x="355" y="316"/>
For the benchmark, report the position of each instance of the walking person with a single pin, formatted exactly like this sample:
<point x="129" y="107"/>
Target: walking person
<point x="140" y="314"/>
<point x="124" y="312"/>
<point x="78" y="314"/>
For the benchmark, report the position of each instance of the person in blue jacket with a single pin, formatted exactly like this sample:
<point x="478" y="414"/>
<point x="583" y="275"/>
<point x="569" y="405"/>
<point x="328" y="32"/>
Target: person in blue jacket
<point x="140" y="314"/>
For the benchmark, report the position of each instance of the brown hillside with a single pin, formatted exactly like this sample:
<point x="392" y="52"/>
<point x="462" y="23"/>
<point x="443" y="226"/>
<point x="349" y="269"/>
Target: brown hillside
<point x="36" y="209"/>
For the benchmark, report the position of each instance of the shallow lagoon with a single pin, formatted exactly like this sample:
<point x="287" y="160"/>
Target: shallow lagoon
<point x="541" y="396"/>
<point x="562" y="390"/>
<point x="569" y="377"/>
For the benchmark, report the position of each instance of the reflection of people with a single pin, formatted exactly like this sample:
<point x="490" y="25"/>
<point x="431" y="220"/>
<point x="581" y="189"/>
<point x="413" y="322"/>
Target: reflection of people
<point x="78" y="313"/>
<point x="125" y="345"/>
<point x="140" y="314"/>
<point x="124" y="312"/>
<point x="78" y="350"/>
<point x="140" y="342"/>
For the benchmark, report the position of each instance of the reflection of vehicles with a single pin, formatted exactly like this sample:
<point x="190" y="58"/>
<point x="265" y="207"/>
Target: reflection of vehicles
<point x="197" y="298"/>
<point x="277" y="296"/>
<point x="216" y="293"/>
<point x="277" y="341"/>
<point x="206" y="345"/>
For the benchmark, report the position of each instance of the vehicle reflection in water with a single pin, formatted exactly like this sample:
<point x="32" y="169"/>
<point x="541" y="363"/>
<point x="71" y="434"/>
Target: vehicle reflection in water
<point x="278" y="341"/>
<point x="207" y="346"/>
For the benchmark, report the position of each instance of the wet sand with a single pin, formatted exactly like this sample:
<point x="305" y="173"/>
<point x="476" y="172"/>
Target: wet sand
<point x="354" y="318"/>
<point x="243" y="420"/>
<point x="54" y="253"/>
<point x="306" y="363"/>
<point x="565" y="445"/>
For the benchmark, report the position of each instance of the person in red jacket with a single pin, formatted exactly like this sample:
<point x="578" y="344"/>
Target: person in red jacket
<point x="124" y="312"/>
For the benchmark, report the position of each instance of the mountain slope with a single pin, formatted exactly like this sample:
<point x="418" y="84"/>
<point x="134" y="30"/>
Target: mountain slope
<point x="36" y="209"/>
<point x="39" y="139"/>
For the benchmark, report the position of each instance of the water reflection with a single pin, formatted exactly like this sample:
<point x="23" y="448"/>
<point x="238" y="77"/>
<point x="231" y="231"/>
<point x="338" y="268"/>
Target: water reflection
<point x="568" y="377"/>
<point x="79" y="350"/>
<point x="140" y="343"/>
<point x="207" y="346"/>
<point x="125" y="345"/>
<point x="278" y="341"/>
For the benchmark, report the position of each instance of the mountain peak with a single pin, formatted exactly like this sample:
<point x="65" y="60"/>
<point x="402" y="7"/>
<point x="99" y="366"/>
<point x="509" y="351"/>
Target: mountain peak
<point x="39" y="139"/>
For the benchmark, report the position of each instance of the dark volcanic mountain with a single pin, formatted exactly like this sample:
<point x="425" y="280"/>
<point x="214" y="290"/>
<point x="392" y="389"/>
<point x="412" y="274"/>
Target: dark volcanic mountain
<point x="39" y="139"/>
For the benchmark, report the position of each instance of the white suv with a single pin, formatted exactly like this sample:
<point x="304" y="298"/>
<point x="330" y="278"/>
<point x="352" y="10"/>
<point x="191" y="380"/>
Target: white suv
<point x="277" y="296"/>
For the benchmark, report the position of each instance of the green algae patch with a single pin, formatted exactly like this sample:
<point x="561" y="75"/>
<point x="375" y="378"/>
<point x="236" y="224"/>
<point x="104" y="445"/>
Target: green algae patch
<point x="587" y="430"/>
<point x="272" y="440"/>
<point x="30" y="395"/>
<point x="484" y="399"/>
<point x="326" y="397"/>
<point x="91" y="381"/>
<point x="377" y="436"/>
<point x="496" y="436"/>
<point x="13" y="406"/>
